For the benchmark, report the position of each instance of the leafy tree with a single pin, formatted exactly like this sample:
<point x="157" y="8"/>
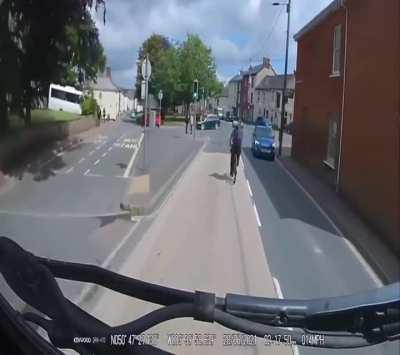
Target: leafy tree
<point x="155" y="48"/>
<point x="175" y="67"/>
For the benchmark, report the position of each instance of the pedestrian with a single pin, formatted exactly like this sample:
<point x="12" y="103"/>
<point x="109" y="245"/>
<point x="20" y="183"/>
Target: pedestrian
<point x="104" y="113"/>
<point x="191" y="123"/>
<point x="187" y="123"/>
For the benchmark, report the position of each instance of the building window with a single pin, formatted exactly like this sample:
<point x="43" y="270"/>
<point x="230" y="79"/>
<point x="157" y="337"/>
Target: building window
<point x="278" y="100"/>
<point x="251" y="100"/>
<point x="337" y="49"/>
<point x="333" y="134"/>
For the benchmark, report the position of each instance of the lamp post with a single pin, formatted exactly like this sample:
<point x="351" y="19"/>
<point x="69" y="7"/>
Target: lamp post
<point x="283" y="118"/>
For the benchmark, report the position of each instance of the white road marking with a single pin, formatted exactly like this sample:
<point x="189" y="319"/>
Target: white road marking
<point x="96" y="162"/>
<point x="257" y="215"/>
<point x="99" y="147"/>
<point x="81" y="161"/>
<point x="109" y="149"/>
<point x="279" y="293"/>
<point x="91" y="153"/>
<point x="70" y="170"/>
<point x="94" y="175"/>
<point x="60" y="154"/>
<point x="129" y="167"/>
<point x="87" y="172"/>
<point x="103" y="155"/>
<point x="277" y="288"/>
<point x="356" y="253"/>
<point x="248" y="185"/>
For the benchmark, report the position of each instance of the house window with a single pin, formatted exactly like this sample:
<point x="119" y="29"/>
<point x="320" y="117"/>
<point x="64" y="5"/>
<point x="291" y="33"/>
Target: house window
<point x="333" y="134"/>
<point x="278" y="100"/>
<point x="337" y="49"/>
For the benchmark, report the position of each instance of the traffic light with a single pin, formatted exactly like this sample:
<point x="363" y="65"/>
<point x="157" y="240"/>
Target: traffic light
<point x="196" y="90"/>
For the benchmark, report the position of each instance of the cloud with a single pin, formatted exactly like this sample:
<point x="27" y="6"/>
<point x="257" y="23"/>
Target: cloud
<point x="239" y="32"/>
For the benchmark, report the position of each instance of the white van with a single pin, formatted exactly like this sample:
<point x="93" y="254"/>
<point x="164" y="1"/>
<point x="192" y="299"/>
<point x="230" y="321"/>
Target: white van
<point x="65" y="98"/>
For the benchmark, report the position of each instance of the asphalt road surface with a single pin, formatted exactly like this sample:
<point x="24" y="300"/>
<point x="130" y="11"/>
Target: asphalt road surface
<point x="64" y="199"/>
<point x="306" y="255"/>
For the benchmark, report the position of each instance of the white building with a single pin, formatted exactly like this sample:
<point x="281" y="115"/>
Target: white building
<point x="268" y="98"/>
<point x="110" y="97"/>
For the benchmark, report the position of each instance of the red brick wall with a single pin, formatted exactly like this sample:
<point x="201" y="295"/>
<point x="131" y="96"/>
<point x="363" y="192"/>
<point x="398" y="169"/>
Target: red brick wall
<point x="317" y="94"/>
<point x="370" y="151"/>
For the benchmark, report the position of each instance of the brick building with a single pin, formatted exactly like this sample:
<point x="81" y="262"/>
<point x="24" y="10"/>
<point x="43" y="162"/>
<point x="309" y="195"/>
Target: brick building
<point x="347" y="108"/>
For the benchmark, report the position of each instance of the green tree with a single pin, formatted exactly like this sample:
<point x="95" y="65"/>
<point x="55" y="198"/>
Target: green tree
<point x="155" y="47"/>
<point x="196" y="62"/>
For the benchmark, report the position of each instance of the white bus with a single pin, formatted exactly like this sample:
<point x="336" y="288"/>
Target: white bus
<point x="65" y="98"/>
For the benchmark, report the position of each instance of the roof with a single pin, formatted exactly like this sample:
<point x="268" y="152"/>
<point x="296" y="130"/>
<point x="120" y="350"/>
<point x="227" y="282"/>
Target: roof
<point x="331" y="8"/>
<point x="276" y="82"/>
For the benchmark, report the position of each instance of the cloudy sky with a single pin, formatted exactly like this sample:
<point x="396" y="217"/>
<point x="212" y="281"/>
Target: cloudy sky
<point x="239" y="32"/>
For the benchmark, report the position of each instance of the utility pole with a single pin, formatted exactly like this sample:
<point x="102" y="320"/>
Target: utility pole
<point x="283" y="118"/>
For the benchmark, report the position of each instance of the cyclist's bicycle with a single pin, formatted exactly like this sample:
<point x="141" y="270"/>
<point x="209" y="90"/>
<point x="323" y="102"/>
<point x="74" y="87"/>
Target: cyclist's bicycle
<point x="353" y="321"/>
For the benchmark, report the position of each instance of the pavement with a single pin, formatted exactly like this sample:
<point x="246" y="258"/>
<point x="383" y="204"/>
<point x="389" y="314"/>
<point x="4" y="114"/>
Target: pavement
<point x="204" y="237"/>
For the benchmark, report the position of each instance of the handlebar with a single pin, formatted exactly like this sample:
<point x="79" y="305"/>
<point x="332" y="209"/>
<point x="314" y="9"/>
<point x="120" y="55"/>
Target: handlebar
<point x="352" y="321"/>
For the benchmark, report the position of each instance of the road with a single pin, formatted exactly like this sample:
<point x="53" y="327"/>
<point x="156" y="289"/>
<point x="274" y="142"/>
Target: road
<point x="203" y="237"/>
<point x="64" y="199"/>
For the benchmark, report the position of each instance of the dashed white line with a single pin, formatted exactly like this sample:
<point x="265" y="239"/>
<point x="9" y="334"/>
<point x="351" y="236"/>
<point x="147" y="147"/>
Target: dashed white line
<point x="109" y="149"/>
<point x="257" y="215"/>
<point x="103" y="155"/>
<point x="70" y="170"/>
<point x="81" y="161"/>
<point x="87" y="172"/>
<point x="60" y="154"/>
<point x="99" y="147"/>
<point x="96" y="162"/>
<point x="248" y="185"/>
<point x="91" y="153"/>
<point x="356" y="253"/>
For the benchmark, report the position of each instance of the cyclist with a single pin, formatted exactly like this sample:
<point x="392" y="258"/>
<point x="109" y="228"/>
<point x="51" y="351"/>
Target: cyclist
<point x="236" y="148"/>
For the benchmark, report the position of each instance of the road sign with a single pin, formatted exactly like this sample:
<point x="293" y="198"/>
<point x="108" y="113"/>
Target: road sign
<point x="146" y="68"/>
<point x="160" y="95"/>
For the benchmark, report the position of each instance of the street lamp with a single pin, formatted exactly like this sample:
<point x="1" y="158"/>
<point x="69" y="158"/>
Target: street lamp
<point x="283" y="118"/>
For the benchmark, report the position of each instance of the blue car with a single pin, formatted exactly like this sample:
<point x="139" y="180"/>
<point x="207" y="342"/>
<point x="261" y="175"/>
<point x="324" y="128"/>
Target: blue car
<point x="263" y="142"/>
<point x="210" y="122"/>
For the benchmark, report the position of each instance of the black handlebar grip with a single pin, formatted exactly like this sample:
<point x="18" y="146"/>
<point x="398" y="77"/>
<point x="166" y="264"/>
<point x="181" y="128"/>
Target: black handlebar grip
<point x="204" y="306"/>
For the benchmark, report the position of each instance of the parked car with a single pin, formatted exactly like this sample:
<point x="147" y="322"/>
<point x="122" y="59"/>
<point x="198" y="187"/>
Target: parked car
<point x="210" y="122"/>
<point x="263" y="142"/>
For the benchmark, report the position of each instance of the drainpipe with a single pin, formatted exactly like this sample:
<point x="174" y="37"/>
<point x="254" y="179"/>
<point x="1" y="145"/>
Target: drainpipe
<point x="343" y="99"/>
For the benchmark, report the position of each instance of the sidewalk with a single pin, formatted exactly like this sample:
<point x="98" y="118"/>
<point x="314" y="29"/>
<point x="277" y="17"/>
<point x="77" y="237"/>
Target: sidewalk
<point x="168" y="152"/>
<point x="205" y="238"/>
<point x="384" y="262"/>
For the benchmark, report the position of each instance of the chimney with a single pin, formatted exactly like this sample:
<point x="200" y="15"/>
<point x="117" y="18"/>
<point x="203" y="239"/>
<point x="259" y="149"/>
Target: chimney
<point x="266" y="62"/>
<point x="108" y="72"/>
